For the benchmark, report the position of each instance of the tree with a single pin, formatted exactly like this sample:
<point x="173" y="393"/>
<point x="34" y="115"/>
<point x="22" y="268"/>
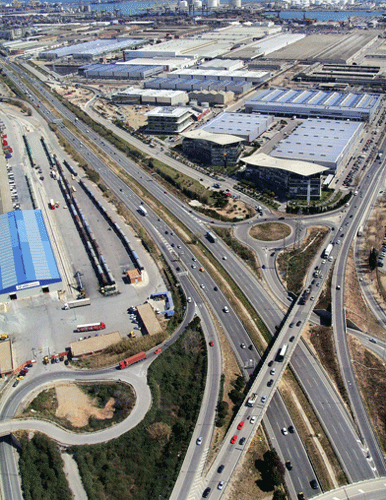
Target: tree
<point x="279" y="495"/>
<point x="373" y="259"/>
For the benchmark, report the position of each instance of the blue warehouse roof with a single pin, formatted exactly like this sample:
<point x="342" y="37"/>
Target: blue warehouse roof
<point x="26" y="256"/>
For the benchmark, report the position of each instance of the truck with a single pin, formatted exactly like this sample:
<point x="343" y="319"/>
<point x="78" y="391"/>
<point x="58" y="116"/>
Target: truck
<point x="328" y="250"/>
<point x="281" y="353"/>
<point x="252" y="399"/>
<point x="142" y="210"/>
<point x="211" y="236"/>
<point x="304" y="297"/>
<point x="90" y="327"/>
<point x="52" y="204"/>
<point x="360" y="231"/>
<point x="133" y="359"/>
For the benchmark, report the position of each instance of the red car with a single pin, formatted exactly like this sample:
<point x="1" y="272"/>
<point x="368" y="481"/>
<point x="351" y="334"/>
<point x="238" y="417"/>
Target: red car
<point x="234" y="439"/>
<point x="240" y="426"/>
<point x="157" y="351"/>
<point x="211" y="343"/>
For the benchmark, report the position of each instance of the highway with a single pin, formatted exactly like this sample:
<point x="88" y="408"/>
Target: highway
<point x="271" y="313"/>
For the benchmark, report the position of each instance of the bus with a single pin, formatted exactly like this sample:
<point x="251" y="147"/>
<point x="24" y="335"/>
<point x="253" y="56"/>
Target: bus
<point x="211" y="237"/>
<point x="281" y="353"/>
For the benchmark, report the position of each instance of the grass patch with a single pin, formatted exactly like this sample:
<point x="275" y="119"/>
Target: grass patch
<point x="130" y="466"/>
<point x="41" y="469"/>
<point x="293" y="264"/>
<point x="272" y="231"/>
<point x="322" y="339"/>
<point x="45" y="405"/>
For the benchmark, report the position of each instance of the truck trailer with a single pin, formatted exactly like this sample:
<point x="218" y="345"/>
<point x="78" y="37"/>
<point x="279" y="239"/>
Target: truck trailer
<point x="90" y="327"/>
<point x="327" y="250"/>
<point x="142" y="210"/>
<point x="133" y="359"/>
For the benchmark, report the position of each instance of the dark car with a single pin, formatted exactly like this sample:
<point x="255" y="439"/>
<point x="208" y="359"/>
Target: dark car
<point x="314" y="484"/>
<point x="270" y="363"/>
<point x="291" y="324"/>
<point x="291" y="429"/>
<point x="270" y="382"/>
<point x="250" y="347"/>
<point x="288" y="464"/>
<point x="292" y="338"/>
<point x="206" y="492"/>
<point x="220" y="469"/>
<point x="215" y="288"/>
<point x="66" y="362"/>
<point x="29" y="365"/>
<point x="15" y="383"/>
<point x="242" y="440"/>
<point x="298" y="323"/>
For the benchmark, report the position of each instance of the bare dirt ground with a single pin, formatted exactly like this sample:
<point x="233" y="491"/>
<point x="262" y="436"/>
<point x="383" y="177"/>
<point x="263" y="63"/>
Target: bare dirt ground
<point x="75" y="406"/>
<point x="235" y="208"/>
<point x="273" y="231"/>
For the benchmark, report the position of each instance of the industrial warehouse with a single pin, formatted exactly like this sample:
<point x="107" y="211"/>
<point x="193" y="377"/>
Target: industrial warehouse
<point x="324" y="142"/>
<point x="315" y="103"/>
<point x="246" y="126"/>
<point x="27" y="263"/>
<point x="147" y="96"/>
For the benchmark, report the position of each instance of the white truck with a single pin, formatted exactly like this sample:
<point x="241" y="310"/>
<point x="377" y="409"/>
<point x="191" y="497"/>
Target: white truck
<point x="142" y="210"/>
<point x="252" y="400"/>
<point x="327" y="250"/>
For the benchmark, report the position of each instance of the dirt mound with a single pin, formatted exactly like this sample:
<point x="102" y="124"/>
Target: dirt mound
<point x="75" y="406"/>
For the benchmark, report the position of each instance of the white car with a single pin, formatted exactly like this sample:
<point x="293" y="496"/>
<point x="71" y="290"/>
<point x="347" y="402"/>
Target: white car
<point x="202" y="285"/>
<point x="252" y="420"/>
<point x="199" y="441"/>
<point x="224" y="257"/>
<point x="220" y="485"/>
<point x="189" y="299"/>
<point x="284" y="431"/>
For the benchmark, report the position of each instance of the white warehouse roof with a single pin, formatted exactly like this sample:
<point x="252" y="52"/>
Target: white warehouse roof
<point x="323" y="141"/>
<point x="248" y="126"/>
<point x="298" y="167"/>
<point x="169" y="112"/>
<point x="170" y="63"/>
<point x="132" y="91"/>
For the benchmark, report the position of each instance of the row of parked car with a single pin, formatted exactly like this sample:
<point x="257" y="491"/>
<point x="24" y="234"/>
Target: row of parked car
<point x="382" y="253"/>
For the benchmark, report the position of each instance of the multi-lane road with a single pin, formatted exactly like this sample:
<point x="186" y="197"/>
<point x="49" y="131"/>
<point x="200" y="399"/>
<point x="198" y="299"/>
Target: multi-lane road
<point x="319" y="390"/>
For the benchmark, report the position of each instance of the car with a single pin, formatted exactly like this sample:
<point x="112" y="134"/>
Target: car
<point x="284" y="431"/>
<point x="220" y="485"/>
<point x="173" y="245"/>
<point x="288" y="464"/>
<point x="270" y="382"/>
<point x="16" y="383"/>
<point x="314" y="484"/>
<point x="242" y="440"/>
<point x="193" y="266"/>
<point x="61" y="358"/>
<point x="264" y="399"/>
<point x="224" y="257"/>
<point x="66" y="362"/>
<point x="338" y="287"/>
<point x="240" y="426"/>
<point x="242" y="345"/>
<point x="20" y="377"/>
<point x="292" y="338"/>
<point x="301" y="496"/>
<point x="298" y="323"/>
<point x="189" y="299"/>
<point x="250" y="347"/>
<point x="312" y="298"/>
<point x="270" y="363"/>
<point x="221" y="468"/>
<point x="202" y="285"/>
<point x="225" y="309"/>
<point x="29" y="365"/>
<point x="272" y="372"/>
<point x="252" y="420"/>
<point x="194" y="259"/>
<point x="292" y="324"/>
<point x="179" y="246"/>
<point x="323" y="261"/>
<point x="201" y="269"/>
<point x="211" y="343"/>
<point x="178" y="268"/>
<point x="206" y="492"/>
<point x="318" y="283"/>
<point x="291" y="429"/>
<point x="234" y="439"/>
<point x="157" y="351"/>
<point x="263" y="266"/>
<point x="215" y="288"/>
<point x="23" y="373"/>
<point x="338" y="242"/>
<point x="199" y="441"/>
<point x="373" y="341"/>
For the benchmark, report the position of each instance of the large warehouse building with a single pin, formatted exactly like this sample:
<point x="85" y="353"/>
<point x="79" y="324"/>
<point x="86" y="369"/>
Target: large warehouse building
<point x="315" y="103"/>
<point x="291" y="178"/>
<point x="90" y="50"/>
<point x="325" y="142"/>
<point x="27" y="263"/>
<point x="150" y="96"/>
<point x="248" y="127"/>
